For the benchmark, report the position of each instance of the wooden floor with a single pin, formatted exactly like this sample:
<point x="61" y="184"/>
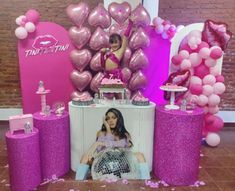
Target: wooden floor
<point x="217" y="171"/>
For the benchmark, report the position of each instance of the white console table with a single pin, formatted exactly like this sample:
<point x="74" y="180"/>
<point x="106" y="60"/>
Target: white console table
<point x="85" y="121"/>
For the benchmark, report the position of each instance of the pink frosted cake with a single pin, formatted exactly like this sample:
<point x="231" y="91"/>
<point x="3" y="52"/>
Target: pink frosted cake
<point x="83" y="100"/>
<point x="112" y="83"/>
<point x="140" y="100"/>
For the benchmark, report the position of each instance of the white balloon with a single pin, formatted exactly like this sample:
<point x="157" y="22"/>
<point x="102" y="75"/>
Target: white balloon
<point x="213" y="139"/>
<point x="19" y="19"/>
<point x="21" y="33"/>
<point x="30" y="27"/>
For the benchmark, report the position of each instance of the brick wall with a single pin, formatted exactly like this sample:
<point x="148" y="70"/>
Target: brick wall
<point x="186" y="12"/>
<point x="178" y="12"/>
<point x="50" y="10"/>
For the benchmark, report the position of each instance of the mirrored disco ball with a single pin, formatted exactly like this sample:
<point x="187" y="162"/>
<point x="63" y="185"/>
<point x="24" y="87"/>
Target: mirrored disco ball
<point x="111" y="162"/>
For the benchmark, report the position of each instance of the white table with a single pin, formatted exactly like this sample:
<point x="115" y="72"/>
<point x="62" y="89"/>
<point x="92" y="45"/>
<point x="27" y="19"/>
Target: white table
<point x="85" y="121"/>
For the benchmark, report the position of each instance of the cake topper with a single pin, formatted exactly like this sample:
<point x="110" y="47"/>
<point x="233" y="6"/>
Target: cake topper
<point x="59" y="108"/>
<point x="27" y="128"/>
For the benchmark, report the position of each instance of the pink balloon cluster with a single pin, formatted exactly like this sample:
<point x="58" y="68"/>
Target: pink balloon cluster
<point x="165" y="28"/>
<point x="206" y="84"/>
<point x="134" y="59"/>
<point x="26" y="23"/>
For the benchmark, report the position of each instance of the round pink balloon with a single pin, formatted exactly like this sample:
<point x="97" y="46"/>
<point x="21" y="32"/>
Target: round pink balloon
<point x="138" y="81"/>
<point x="119" y="11"/>
<point x="141" y="16"/>
<point x="184" y="54"/>
<point x="80" y="79"/>
<point x="209" y="80"/>
<point x="209" y="62"/>
<point x="201" y="71"/>
<point x="219" y="88"/>
<point x="219" y="78"/>
<point x="95" y="82"/>
<point x="202" y="100"/>
<point x="195" y="80"/>
<point x="195" y="59"/>
<point x="138" y="60"/>
<point x="99" y="39"/>
<point x="95" y="63"/>
<point x="196" y="89"/>
<point x="216" y="125"/>
<point x="79" y="36"/>
<point x="207" y="90"/>
<point x="213" y="139"/>
<point x="126" y="74"/>
<point x="33" y="16"/>
<point x="78" y="13"/>
<point x="202" y="45"/>
<point x="77" y="94"/>
<point x="80" y="58"/>
<point x="139" y="39"/>
<point x="204" y="52"/>
<point x="216" y="52"/>
<point x="99" y="16"/>
<point x="176" y="60"/>
<point x="185" y="64"/>
<point x="213" y="100"/>
<point x="21" y="33"/>
<point x="213" y="109"/>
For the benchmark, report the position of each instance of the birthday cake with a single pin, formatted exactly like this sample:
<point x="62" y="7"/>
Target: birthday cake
<point x="140" y="100"/>
<point x="111" y="83"/>
<point x="83" y="100"/>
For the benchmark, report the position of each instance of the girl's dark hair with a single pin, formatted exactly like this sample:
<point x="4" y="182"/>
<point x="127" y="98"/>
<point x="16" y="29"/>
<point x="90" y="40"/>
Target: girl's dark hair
<point x="120" y="129"/>
<point x="114" y="38"/>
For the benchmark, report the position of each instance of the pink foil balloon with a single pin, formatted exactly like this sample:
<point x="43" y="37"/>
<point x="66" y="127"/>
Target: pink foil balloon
<point x="77" y="94"/>
<point x="138" y="81"/>
<point x="141" y="16"/>
<point x="138" y="60"/>
<point x="126" y="74"/>
<point x="99" y="39"/>
<point x="126" y="57"/>
<point x="95" y="63"/>
<point x="119" y="11"/>
<point x="118" y="28"/>
<point x="99" y="16"/>
<point x="78" y="13"/>
<point x="79" y="36"/>
<point x="80" y="79"/>
<point x="139" y="39"/>
<point x="80" y="58"/>
<point x="95" y="82"/>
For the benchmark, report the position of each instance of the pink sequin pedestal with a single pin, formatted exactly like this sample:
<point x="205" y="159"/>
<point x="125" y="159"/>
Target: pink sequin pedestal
<point x="177" y="140"/>
<point x="54" y="144"/>
<point x="24" y="160"/>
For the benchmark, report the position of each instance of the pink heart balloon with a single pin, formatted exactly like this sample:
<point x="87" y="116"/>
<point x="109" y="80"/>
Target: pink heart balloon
<point x="77" y="94"/>
<point x="118" y="28"/>
<point x="99" y="17"/>
<point x="80" y="58"/>
<point x="80" y="79"/>
<point x="95" y="82"/>
<point x="138" y="60"/>
<point x="126" y="74"/>
<point x="79" y="36"/>
<point x="138" y="81"/>
<point x="126" y="57"/>
<point x="139" y="39"/>
<point x="95" y="63"/>
<point x="78" y="13"/>
<point x="141" y="16"/>
<point x="99" y="39"/>
<point x="119" y="11"/>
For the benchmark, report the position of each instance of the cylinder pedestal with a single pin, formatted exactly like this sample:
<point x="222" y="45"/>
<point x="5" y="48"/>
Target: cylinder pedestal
<point x="24" y="160"/>
<point x="177" y="142"/>
<point x="54" y="144"/>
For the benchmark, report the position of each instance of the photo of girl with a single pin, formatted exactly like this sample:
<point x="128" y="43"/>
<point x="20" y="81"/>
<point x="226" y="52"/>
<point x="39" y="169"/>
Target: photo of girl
<point x="111" y="156"/>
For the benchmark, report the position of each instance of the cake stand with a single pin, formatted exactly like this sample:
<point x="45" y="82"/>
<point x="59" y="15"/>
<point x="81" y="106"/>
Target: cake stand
<point x="43" y="100"/>
<point x="172" y="89"/>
